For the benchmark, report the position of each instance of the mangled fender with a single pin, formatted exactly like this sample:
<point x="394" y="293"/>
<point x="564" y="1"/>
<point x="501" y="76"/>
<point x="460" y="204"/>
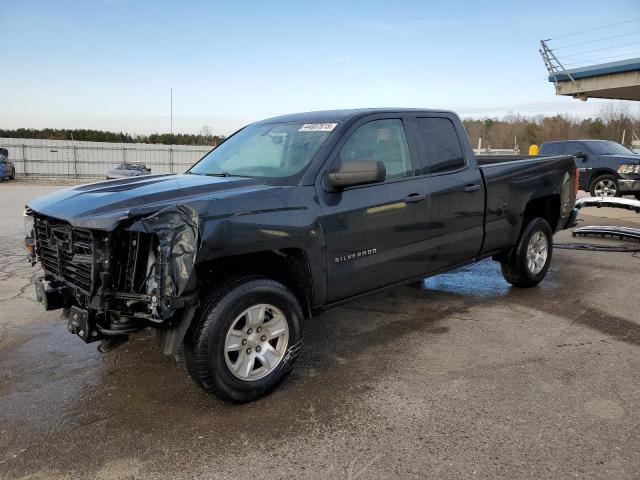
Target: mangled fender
<point x="178" y="231"/>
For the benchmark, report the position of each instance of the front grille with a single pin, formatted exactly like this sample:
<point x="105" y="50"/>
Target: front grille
<point x="66" y="253"/>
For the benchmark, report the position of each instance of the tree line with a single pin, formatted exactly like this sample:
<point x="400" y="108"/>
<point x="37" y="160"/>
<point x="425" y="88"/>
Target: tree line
<point x="204" y="137"/>
<point x="612" y="123"/>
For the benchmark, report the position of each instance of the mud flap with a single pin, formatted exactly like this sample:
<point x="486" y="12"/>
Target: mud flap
<point x="168" y="341"/>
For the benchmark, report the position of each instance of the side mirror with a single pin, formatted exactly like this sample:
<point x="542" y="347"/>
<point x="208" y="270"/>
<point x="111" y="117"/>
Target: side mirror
<point x="580" y="155"/>
<point x="357" y="172"/>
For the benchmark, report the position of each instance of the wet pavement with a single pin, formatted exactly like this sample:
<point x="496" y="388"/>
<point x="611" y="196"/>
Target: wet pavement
<point x="460" y="376"/>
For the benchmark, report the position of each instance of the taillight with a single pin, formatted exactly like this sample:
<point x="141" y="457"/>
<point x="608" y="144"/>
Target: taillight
<point x="576" y="182"/>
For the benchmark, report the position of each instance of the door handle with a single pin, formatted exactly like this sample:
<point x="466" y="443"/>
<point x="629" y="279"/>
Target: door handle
<point x="471" y="188"/>
<point x="415" y="198"/>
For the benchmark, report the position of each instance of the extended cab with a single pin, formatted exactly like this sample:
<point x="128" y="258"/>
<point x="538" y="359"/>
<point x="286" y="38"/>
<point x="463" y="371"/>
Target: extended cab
<point x="607" y="169"/>
<point x="286" y="218"/>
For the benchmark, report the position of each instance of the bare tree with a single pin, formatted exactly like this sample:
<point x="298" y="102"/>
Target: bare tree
<point x="612" y="120"/>
<point x="617" y="119"/>
<point x="205" y="134"/>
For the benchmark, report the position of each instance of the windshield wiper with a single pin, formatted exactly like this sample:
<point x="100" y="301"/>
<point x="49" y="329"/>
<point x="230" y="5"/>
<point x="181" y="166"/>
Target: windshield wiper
<point x="221" y="174"/>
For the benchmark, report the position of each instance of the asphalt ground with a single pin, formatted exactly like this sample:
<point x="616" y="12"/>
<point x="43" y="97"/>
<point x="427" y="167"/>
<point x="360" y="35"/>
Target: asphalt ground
<point x="461" y="376"/>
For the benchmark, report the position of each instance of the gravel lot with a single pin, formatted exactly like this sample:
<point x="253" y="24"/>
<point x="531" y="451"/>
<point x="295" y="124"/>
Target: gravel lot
<point x="459" y="377"/>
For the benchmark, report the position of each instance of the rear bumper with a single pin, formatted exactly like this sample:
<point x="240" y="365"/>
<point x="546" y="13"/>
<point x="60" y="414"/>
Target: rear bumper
<point x="629" y="185"/>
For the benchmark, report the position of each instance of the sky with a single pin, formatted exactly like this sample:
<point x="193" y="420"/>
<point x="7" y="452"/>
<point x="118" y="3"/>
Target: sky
<point x="110" y="64"/>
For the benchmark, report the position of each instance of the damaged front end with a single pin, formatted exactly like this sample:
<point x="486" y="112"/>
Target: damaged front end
<point x="113" y="283"/>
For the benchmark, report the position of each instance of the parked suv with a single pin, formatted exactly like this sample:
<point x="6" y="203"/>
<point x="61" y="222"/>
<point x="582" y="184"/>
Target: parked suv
<point x="607" y="169"/>
<point x="7" y="169"/>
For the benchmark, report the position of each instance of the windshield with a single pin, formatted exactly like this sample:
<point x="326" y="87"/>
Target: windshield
<point x="608" y="148"/>
<point x="277" y="150"/>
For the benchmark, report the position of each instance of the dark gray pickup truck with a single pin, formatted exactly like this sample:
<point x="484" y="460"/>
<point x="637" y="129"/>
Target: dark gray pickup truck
<point x="286" y="218"/>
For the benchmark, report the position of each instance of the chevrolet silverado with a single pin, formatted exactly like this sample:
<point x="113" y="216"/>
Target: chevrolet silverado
<point x="286" y="218"/>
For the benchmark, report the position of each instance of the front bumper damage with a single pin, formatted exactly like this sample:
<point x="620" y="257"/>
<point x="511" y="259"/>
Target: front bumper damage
<point x="111" y="284"/>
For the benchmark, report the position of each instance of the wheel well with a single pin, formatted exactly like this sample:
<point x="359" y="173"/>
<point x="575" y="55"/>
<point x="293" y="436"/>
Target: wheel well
<point x="599" y="173"/>
<point x="289" y="266"/>
<point x="547" y="207"/>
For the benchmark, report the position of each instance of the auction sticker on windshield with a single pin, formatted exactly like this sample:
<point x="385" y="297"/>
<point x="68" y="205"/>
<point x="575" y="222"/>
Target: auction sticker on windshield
<point x="317" y="127"/>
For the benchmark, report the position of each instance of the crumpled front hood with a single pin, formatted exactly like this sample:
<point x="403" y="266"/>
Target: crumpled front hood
<point x="103" y="205"/>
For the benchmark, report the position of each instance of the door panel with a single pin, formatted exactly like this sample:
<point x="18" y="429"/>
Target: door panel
<point x="456" y="218"/>
<point x="374" y="233"/>
<point x="374" y="236"/>
<point x="456" y="194"/>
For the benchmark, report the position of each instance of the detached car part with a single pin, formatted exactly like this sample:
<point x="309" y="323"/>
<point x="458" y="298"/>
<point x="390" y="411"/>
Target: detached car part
<point x="623" y="233"/>
<point x="592" y="247"/>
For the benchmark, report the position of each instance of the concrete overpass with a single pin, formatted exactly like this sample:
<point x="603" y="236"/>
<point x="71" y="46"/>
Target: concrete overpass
<point x="615" y="80"/>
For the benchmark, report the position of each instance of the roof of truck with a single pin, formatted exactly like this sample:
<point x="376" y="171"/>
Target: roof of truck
<point x="339" y="115"/>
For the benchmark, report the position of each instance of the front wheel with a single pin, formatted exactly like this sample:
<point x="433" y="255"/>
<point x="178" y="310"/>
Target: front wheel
<point x="528" y="262"/>
<point x="245" y="338"/>
<point x="605" y="186"/>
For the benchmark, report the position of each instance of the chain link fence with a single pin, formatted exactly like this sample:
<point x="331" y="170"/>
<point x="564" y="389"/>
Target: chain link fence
<point x="61" y="158"/>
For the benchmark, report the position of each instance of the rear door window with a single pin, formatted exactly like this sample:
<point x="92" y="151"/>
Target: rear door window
<point x="439" y="144"/>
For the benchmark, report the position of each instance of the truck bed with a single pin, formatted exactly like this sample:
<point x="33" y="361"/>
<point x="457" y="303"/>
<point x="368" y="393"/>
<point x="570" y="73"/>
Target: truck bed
<point x="490" y="159"/>
<point x="510" y="185"/>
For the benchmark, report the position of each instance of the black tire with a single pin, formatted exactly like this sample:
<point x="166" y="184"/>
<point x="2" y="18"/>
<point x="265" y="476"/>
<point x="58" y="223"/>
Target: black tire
<point x="204" y="344"/>
<point x="637" y="195"/>
<point x="605" y="178"/>
<point x="515" y="268"/>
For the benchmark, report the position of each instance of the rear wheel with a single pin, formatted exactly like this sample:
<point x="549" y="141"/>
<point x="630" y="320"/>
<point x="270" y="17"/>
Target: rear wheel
<point x="528" y="262"/>
<point x="605" y="186"/>
<point x="244" y="339"/>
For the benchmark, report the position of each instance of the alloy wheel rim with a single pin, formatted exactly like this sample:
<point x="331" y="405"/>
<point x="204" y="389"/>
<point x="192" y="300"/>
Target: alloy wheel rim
<point x="256" y="342"/>
<point x="605" y="188"/>
<point x="537" y="252"/>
